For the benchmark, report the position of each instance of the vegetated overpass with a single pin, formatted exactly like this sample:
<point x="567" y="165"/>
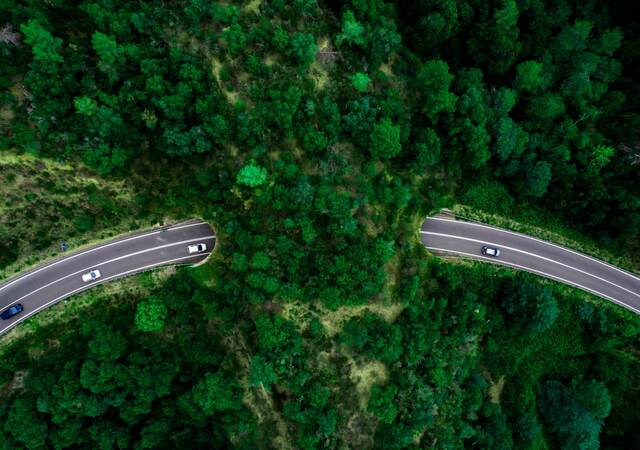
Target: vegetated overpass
<point x="52" y="282"/>
<point x="46" y="285"/>
<point x="457" y="237"/>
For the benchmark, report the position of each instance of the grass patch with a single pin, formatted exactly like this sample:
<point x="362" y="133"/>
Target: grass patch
<point x="271" y="59"/>
<point x="216" y="68"/>
<point x="301" y="314"/>
<point x="319" y="70"/>
<point x="364" y="376"/>
<point x="333" y="321"/>
<point x="252" y="7"/>
<point x="386" y="69"/>
<point x="204" y="274"/>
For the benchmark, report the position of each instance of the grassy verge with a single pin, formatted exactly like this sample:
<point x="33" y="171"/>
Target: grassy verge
<point x="45" y="202"/>
<point x="124" y="289"/>
<point x="204" y="273"/>
<point x="562" y="290"/>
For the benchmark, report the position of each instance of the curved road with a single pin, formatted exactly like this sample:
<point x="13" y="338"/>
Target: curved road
<point x="533" y="255"/>
<point x="61" y="278"/>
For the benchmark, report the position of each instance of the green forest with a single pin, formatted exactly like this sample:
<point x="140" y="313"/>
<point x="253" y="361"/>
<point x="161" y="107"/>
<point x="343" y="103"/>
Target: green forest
<point x="315" y="136"/>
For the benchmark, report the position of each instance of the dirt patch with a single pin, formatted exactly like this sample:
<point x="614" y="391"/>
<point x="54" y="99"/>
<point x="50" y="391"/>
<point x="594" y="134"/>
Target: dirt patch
<point x="216" y="67"/>
<point x="258" y="400"/>
<point x="6" y="116"/>
<point x="16" y="383"/>
<point x="333" y="321"/>
<point x="495" y="390"/>
<point x="386" y="69"/>
<point x="20" y="92"/>
<point x="253" y="6"/>
<point x="364" y="376"/>
<point x="271" y="59"/>
<point x="319" y="68"/>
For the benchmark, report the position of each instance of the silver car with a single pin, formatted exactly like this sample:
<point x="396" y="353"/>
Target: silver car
<point x="90" y="276"/>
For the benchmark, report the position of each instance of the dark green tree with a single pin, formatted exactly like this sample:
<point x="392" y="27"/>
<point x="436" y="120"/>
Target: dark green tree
<point x="575" y="414"/>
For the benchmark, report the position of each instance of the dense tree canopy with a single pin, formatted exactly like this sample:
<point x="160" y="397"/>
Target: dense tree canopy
<point x="315" y="137"/>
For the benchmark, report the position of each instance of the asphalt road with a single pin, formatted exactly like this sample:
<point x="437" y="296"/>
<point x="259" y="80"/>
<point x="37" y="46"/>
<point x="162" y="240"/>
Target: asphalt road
<point x="533" y="255"/>
<point x="47" y="284"/>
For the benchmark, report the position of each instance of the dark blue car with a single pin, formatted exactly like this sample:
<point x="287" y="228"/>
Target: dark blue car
<point x="10" y="312"/>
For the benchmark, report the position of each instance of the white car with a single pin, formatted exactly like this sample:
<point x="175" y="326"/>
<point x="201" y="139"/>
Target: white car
<point x="197" y="248"/>
<point x="490" y="251"/>
<point x="90" y="276"/>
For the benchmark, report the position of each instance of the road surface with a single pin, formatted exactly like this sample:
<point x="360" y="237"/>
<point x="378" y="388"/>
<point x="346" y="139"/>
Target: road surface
<point x="533" y="255"/>
<point x="45" y="285"/>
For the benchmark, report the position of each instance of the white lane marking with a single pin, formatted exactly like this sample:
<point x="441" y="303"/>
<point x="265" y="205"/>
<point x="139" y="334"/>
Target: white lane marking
<point x="28" y="274"/>
<point x="87" y="286"/>
<point x="186" y="225"/>
<point x="548" y="275"/>
<point x="502" y="230"/>
<point x="107" y="262"/>
<point x="529" y="254"/>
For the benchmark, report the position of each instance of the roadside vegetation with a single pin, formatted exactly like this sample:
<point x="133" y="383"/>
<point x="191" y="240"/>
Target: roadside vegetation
<point x="536" y="222"/>
<point x="315" y="137"/>
<point x="45" y="202"/>
<point x="491" y="204"/>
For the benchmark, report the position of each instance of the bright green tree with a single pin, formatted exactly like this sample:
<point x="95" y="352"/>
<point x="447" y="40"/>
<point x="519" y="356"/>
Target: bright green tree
<point x="360" y="81"/>
<point x="352" y="30"/>
<point x="385" y="139"/>
<point x="529" y="76"/>
<point x="601" y="156"/>
<point x="85" y="105"/>
<point x="252" y="175"/>
<point x="151" y="314"/>
<point x="44" y="46"/>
